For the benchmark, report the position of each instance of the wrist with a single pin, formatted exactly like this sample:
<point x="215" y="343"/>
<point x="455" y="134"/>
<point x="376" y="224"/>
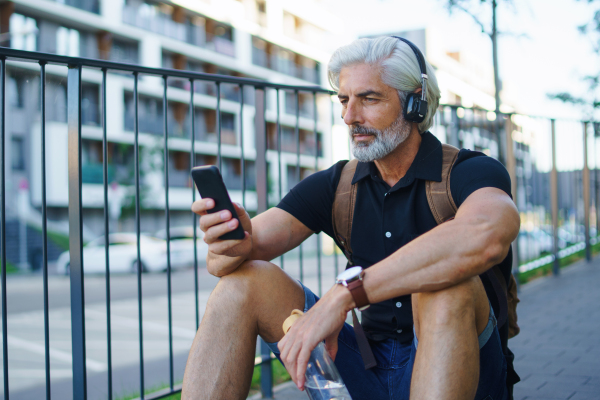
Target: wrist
<point x="352" y="280"/>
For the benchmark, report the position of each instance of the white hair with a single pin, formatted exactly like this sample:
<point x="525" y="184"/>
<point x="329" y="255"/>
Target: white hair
<point x="399" y="69"/>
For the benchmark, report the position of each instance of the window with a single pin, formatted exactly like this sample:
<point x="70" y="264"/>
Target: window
<point x="17" y="154"/>
<point x="23" y="32"/>
<point x="67" y="42"/>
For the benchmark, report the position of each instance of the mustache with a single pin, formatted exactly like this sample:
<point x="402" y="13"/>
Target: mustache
<point x="361" y="130"/>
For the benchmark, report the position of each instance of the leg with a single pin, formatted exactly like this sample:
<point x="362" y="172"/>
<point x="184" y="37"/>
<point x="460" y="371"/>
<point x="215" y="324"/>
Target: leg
<point x="448" y="323"/>
<point x="253" y="300"/>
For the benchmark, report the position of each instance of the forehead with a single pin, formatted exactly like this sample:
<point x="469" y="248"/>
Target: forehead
<point x="358" y="77"/>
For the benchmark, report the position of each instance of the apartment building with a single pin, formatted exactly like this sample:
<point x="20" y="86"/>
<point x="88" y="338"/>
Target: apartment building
<point x="275" y="40"/>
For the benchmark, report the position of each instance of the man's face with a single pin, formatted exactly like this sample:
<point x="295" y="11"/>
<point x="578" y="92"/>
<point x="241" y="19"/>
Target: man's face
<point x="373" y="112"/>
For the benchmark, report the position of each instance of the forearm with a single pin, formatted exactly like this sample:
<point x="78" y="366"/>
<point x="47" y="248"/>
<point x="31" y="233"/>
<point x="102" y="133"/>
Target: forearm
<point x="448" y="254"/>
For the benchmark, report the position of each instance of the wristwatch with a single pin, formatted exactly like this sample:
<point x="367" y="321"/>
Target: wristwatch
<point x="352" y="278"/>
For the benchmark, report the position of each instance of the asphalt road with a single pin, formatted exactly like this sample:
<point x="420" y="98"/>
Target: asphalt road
<point x="25" y="292"/>
<point x="25" y="324"/>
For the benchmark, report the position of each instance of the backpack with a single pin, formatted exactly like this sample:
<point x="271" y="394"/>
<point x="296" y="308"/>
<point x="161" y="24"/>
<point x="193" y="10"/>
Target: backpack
<point x="443" y="209"/>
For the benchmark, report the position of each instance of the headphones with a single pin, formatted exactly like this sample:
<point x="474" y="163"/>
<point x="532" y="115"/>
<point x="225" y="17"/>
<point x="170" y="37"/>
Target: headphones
<point x="415" y="106"/>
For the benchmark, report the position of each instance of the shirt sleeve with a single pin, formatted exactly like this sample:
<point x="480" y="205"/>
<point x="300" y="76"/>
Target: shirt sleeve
<point x="474" y="170"/>
<point x="311" y="200"/>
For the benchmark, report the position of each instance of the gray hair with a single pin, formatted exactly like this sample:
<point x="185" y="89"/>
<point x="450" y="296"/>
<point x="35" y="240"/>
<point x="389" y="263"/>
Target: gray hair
<point x="399" y="69"/>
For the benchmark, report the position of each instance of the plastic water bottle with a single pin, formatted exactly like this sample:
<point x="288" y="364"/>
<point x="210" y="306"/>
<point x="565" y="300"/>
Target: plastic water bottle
<point x="323" y="381"/>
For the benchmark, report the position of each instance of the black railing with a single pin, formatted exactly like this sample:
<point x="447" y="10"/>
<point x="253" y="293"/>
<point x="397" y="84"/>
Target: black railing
<point x="544" y="212"/>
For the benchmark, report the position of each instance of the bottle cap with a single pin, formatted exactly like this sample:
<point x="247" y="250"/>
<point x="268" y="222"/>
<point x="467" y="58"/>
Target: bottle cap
<point x="289" y="321"/>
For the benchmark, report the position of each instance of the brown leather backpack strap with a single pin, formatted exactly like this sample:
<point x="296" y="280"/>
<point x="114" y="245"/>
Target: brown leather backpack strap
<point x="343" y="208"/>
<point x="439" y="195"/>
<point x="342" y="215"/>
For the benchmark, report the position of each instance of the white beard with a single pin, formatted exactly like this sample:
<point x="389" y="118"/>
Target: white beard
<point x="384" y="141"/>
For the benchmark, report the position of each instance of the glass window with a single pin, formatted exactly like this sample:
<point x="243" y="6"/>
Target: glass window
<point x="23" y="32"/>
<point x="17" y="154"/>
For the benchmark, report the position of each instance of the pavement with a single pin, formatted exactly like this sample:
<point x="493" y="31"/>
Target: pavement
<point x="558" y="349"/>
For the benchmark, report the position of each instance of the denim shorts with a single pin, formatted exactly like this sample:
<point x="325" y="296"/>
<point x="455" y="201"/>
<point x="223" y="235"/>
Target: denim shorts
<point x="390" y="379"/>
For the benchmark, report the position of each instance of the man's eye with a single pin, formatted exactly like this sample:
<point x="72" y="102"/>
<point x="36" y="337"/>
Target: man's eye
<point x="370" y="99"/>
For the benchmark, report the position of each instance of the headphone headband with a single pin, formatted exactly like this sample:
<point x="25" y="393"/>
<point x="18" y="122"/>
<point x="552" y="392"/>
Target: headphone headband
<point x="422" y="65"/>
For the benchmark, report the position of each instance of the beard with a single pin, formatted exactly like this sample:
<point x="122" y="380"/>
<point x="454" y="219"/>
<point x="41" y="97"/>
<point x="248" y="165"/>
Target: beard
<point x="384" y="142"/>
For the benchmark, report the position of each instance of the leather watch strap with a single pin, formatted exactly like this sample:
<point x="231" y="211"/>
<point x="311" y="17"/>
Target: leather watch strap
<point x="358" y="293"/>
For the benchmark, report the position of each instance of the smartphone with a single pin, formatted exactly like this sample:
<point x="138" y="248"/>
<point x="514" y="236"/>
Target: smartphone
<point x="210" y="185"/>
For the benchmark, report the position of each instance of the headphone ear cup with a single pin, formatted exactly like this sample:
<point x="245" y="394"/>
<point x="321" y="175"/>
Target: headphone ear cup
<point x="415" y="109"/>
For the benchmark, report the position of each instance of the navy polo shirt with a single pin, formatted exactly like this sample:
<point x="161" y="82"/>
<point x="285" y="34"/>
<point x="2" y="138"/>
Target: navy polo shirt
<point x="386" y="218"/>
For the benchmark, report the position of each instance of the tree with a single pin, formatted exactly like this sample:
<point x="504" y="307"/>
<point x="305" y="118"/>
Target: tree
<point x="590" y="101"/>
<point x="490" y="29"/>
<point x="467" y="7"/>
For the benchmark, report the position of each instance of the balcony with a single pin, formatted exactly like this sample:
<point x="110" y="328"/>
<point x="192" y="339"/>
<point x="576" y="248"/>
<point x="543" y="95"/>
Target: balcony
<point x="92" y="6"/>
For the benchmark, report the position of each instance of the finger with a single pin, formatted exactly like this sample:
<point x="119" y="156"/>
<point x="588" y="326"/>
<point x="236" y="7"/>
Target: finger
<point x="202" y="206"/>
<point x="208" y="220"/>
<point x="228" y="247"/>
<point x="301" y="363"/>
<point x="216" y="231"/>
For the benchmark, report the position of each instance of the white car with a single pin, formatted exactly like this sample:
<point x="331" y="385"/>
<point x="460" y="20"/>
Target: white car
<point x="182" y="246"/>
<point x="122" y="249"/>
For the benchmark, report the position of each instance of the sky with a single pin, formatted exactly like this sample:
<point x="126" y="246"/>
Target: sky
<point x="542" y="53"/>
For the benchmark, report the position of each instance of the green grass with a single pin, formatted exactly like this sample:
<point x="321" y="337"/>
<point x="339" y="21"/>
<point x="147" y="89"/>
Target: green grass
<point x="11" y="269"/>
<point x="58" y="239"/>
<point x="545" y="270"/>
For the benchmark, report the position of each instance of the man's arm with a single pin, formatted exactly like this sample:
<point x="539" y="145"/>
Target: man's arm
<point x="478" y="238"/>
<point x="267" y="236"/>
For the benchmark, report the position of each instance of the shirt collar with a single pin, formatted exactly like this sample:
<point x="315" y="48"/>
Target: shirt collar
<point x="427" y="165"/>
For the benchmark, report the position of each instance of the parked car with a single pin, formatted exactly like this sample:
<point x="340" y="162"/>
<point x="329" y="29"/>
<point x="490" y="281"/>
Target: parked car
<point x="122" y="254"/>
<point x="182" y="246"/>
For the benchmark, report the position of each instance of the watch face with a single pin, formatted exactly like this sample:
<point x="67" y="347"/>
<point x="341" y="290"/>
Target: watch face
<point x="350" y="274"/>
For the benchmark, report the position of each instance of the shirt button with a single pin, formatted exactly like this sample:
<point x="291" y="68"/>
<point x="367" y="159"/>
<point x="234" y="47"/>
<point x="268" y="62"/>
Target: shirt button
<point x="399" y="331"/>
<point x="385" y="194"/>
<point x="388" y="234"/>
<point x="398" y="304"/>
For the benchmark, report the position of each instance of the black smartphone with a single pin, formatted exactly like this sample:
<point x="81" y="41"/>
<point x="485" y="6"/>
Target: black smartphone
<point x="210" y="185"/>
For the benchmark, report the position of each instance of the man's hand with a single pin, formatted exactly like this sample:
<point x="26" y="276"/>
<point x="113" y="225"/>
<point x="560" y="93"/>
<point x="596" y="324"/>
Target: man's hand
<point x="324" y="321"/>
<point x="224" y="256"/>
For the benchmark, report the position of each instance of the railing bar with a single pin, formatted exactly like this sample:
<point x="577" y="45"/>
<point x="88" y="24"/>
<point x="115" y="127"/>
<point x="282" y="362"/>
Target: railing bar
<point x="110" y="65"/>
<point x="106" y="236"/>
<point x="279" y="155"/>
<point x="335" y="253"/>
<point x="3" y="183"/>
<point x="168" y="223"/>
<point x="194" y="218"/>
<point x="78" y="347"/>
<point x="218" y="127"/>
<point x="45" y="229"/>
<point x="243" y="161"/>
<point x="137" y="229"/>
<point x="297" y="133"/>
<point x="315" y="116"/>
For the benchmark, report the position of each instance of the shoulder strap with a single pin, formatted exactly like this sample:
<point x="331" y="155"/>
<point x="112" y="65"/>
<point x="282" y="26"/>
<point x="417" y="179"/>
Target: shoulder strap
<point x="443" y="208"/>
<point x="439" y="195"/>
<point x="343" y="208"/>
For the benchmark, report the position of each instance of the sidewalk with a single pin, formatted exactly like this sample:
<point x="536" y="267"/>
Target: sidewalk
<point x="558" y="349"/>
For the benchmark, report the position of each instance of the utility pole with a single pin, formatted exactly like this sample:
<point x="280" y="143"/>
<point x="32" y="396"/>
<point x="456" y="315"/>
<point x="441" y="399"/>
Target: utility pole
<point x="495" y="55"/>
<point x="494" y="37"/>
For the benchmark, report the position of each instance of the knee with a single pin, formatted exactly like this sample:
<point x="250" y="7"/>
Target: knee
<point x="246" y="281"/>
<point x="448" y="306"/>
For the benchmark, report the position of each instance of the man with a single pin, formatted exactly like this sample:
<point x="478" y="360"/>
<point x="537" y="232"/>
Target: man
<point x="419" y="277"/>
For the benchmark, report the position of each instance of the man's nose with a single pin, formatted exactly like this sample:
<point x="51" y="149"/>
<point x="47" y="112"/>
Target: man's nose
<point x="352" y="114"/>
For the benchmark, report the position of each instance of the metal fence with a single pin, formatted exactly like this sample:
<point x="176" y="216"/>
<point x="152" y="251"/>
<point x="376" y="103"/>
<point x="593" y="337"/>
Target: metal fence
<point x="290" y="129"/>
